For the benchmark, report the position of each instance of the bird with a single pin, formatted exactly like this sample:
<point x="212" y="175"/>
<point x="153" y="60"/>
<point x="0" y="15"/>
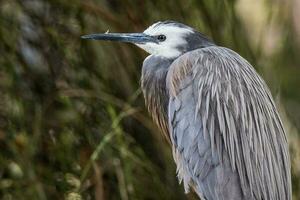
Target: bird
<point x="216" y="112"/>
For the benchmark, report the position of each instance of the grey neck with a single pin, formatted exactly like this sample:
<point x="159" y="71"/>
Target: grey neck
<point x="153" y="83"/>
<point x="195" y="40"/>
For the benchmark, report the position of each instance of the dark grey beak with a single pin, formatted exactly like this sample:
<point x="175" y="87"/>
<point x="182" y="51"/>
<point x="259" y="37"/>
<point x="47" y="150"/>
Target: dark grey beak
<point x="137" y="38"/>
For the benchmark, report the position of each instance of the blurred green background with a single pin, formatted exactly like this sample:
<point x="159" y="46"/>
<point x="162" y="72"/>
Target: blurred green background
<point x="73" y="124"/>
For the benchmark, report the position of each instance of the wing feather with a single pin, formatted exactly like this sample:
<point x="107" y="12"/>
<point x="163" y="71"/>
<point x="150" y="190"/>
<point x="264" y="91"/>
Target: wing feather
<point x="225" y="129"/>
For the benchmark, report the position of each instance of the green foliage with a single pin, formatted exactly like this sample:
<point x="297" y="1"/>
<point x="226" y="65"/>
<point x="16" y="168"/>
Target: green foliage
<point x="72" y="119"/>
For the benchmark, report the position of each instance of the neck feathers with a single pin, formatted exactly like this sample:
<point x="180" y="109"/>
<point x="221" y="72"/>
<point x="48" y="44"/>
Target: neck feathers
<point x="153" y="83"/>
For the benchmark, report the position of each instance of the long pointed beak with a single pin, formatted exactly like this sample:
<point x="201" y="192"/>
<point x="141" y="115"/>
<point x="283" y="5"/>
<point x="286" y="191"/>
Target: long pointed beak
<point x="137" y="38"/>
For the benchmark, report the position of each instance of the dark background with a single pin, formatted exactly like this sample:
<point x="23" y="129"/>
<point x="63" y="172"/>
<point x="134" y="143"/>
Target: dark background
<point x="73" y="124"/>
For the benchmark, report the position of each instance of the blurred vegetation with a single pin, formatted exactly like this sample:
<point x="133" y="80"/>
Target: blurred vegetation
<point x="73" y="124"/>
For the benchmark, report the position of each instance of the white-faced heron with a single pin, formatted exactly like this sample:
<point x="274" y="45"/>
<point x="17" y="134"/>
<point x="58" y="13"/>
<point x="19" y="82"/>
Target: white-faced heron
<point x="217" y="113"/>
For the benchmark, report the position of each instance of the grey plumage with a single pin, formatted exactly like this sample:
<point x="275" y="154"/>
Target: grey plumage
<point x="239" y="123"/>
<point x="153" y="81"/>
<point x="227" y="138"/>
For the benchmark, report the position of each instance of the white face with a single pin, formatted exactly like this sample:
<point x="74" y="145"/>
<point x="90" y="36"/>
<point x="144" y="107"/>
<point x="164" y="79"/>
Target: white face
<point x="174" y="37"/>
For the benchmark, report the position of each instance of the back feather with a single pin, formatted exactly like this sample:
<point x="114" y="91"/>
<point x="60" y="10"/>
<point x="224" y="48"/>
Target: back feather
<point x="237" y="116"/>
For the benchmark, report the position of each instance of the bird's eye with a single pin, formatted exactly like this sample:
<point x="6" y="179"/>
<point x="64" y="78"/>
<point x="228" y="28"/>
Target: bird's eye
<point x="161" y="38"/>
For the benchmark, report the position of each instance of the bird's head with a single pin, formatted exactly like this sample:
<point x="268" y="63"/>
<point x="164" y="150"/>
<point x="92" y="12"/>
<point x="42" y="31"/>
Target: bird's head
<point x="168" y="39"/>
